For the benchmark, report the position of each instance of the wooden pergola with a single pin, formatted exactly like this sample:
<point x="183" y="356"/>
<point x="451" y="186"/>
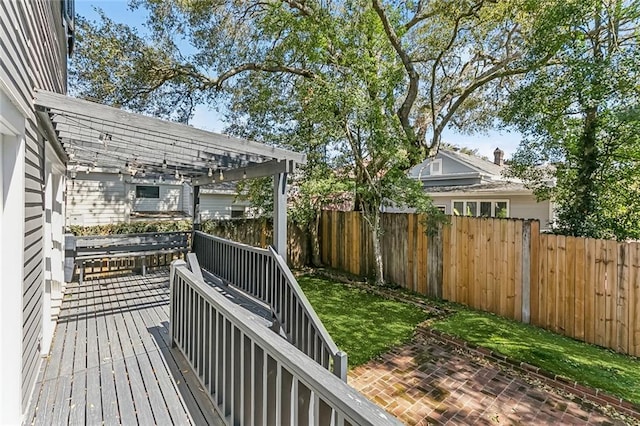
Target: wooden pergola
<point x="90" y="136"/>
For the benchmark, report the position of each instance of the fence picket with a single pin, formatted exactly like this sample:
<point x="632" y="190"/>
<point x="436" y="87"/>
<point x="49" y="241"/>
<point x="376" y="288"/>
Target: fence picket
<point x="634" y="301"/>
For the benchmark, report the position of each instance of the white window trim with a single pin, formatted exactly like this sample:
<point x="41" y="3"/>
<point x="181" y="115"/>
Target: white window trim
<point x="437" y="161"/>
<point x="493" y="202"/>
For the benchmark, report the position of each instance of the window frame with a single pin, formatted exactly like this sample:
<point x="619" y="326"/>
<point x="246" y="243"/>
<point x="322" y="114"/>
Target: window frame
<point x="143" y="197"/>
<point x="437" y="161"/>
<point x="493" y="202"/>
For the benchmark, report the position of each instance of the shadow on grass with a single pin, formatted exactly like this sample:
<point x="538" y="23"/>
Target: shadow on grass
<point x="362" y="324"/>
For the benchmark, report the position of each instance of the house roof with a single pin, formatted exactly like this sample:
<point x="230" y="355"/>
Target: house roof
<point x="94" y="135"/>
<point x="221" y="188"/>
<point x="475" y="162"/>
<point x="486" y="187"/>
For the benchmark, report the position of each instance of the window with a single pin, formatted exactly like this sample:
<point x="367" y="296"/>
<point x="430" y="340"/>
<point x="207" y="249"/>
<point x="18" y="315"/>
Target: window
<point x="443" y="209"/>
<point x="147" y="191"/>
<point x="484" y="208"/>
<point x="436" y="167"/>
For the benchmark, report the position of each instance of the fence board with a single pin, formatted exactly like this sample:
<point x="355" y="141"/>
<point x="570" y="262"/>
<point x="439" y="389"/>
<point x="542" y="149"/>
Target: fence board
<point x="511" y="264"/>
<point x="622" y="305"/>
<point x="517" y="270"/>
<point x="534" y="269"/>
<point x="561" y="284"/>
<point x="569" y="300"/>
<point x="634" y="305"/>
<point x="474" y="283"/>
<point x="591" y="279"/>
<point x="579" y="289"/>
<point x="600" y="298"/>
<point x="488" y="278"/>
<point x="610" y="293"/>
<point x="411" y="238"/>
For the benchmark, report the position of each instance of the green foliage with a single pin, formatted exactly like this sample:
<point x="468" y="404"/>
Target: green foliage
<point x="362" y="324"/>
<point x="580" y="119"/>
<point x="587" y="364"/>
<point x="131" y="228"/>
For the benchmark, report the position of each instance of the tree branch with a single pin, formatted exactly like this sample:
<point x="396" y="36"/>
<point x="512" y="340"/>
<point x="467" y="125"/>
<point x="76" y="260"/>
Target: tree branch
<point x="217" y="82"/>
<point x="414" y="78"/>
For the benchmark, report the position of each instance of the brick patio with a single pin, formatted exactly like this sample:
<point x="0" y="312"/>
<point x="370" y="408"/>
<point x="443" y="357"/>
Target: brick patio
<point x="431" y="382"/>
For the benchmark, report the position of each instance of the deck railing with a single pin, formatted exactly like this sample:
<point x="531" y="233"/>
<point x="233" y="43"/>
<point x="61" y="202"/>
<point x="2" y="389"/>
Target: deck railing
<point x="252" y="375"/>
<point x="264" y="274"/>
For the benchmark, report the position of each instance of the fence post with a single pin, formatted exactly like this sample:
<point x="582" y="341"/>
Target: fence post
<point x="526" y="272"/>
<point x="434" y="262"/>
<point x="340" y="361"/>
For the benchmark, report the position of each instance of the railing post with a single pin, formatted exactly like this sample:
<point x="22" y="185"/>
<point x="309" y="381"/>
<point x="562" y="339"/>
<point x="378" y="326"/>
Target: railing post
<point x="172" y="276"/>
<point x="340" y="362"/>
<point x="196" y="214"/>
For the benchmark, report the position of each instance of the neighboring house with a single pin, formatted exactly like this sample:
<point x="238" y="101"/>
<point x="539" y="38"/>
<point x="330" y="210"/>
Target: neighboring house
<point x="35" y="38"/>
<point x="220" y="202"/>
<point x="463" y="184"/>
<point x="103" y="197"/>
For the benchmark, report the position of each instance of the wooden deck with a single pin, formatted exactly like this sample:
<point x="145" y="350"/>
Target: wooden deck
<point x="110" y="361"/>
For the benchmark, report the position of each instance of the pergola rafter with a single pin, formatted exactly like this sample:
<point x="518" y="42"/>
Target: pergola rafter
<point x="90" y="135"/>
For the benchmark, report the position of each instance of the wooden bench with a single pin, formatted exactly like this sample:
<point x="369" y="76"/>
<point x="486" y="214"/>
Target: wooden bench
<point x="94" y="248"/>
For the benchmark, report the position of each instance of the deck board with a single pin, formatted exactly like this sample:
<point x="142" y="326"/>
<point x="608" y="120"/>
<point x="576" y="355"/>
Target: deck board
<point x="110" y="361"/>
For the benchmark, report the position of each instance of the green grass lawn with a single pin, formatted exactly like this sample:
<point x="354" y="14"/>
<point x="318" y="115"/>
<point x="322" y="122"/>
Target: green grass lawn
<point x="362" y="324"/>
<point x="590" y="365"/>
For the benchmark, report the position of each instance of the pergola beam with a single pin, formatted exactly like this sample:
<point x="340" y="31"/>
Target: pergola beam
<point x="57" y="102"/>
<point x="280" y="214"/>
<point x="268" y="168"/>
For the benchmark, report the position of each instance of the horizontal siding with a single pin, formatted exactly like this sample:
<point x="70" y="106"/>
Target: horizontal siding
<point x="34" y="55"/>
<point x="526" y="207"/>
<point x="215" y="206"/>
<point x="170" y="199"/>
<point x="97" y="198"/>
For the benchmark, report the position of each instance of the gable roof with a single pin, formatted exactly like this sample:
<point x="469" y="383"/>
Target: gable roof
<point x="479" y="164"/>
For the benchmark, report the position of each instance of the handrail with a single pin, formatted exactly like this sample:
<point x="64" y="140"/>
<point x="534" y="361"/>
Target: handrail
<point x="264" y="274"/>
<point x="255" y="377"/>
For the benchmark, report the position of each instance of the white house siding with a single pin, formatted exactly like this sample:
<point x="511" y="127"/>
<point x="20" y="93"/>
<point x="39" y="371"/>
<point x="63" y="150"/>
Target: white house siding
<point x="526" y="207"/>
<point x="97" y="198"/>
<point x="520" y="206"/>
<point x="219" y="206"/>
<point x="33" y="55"/>
<point x="187" y="199"/>
<point x="170" y="199"/>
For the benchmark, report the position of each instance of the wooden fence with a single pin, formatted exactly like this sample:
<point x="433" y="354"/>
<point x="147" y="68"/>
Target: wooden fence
<point x="259" y="232"/>
<point x="584" y="288"/>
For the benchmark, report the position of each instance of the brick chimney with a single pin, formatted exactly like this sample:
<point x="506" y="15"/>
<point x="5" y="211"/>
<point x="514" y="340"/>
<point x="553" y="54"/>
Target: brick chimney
<point x="498" y="157"/>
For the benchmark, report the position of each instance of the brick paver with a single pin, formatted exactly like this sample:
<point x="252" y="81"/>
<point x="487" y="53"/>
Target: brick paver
<point x="430" y="382"/>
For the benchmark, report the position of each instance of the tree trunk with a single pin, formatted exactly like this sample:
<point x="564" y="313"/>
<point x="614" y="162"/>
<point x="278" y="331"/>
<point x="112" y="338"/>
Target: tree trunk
<point x="586" y="184"/>
<point x="376" y="231"/>
<point x="314" y="230"/>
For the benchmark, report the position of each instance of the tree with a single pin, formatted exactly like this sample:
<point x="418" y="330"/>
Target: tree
<point x="372" y="83"/>
<point x="580" y="118"/>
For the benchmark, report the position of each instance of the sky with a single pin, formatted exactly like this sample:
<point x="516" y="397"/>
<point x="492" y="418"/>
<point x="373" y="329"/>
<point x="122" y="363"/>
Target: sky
<point x="207" y="118"/>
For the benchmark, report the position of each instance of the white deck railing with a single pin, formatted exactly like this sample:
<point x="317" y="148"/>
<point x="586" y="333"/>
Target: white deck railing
<point x="253" y="376"/>
<point x="264" y="274"/>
